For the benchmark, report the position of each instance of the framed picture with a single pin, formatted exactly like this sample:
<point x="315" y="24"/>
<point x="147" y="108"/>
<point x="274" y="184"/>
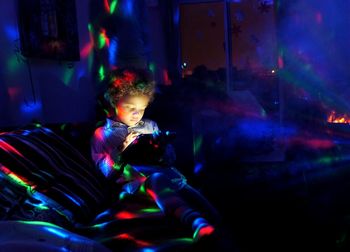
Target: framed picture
<point x="48" y="29"/>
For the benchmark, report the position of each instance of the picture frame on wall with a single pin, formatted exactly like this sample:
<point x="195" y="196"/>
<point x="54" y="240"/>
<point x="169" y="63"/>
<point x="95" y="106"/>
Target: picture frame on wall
<point x="48" y="29"/>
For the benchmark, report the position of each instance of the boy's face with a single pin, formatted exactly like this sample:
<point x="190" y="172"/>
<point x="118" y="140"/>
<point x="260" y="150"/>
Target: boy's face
<point x="130" y="109"/>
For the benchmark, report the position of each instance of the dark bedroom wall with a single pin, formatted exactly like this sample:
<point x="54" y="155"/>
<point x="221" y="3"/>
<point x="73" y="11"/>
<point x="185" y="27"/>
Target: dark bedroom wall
<point x="49" y="91"/>
<point x="314" y="58"/>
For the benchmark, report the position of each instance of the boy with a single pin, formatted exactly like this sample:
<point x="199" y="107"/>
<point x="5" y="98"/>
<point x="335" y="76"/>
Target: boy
<point x="129" y="93"/>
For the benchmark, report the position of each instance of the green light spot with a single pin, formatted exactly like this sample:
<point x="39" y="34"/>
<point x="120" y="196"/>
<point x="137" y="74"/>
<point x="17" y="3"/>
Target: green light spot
<point x="122" y="195"/>
<point x="197" y="144"/>
<point x="101" y="41"/>
<point x="67" y="76"/>
<point x="12" y="64"/>
<point x="116" y="166"/>
<point x="101" y="73"/>
<point x="152" y="67"/>
<point x="143" y="189"/>
<point x="113" y="6"/>
<point x="150" y="210"/>
<point x="41" y="223"/>
<point x="63" y="126"/>
<point x="90" y="60"/>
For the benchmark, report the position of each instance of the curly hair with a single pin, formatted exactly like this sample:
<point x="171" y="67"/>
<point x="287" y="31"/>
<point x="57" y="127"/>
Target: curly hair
<point x="129" y="81"/>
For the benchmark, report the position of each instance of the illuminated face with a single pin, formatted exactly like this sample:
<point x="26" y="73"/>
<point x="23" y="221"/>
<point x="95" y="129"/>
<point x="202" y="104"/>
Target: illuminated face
<point x="130" y="109"/>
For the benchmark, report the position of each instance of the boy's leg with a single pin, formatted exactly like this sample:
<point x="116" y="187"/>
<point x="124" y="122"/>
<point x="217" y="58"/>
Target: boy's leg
<point x="158" y="186"/>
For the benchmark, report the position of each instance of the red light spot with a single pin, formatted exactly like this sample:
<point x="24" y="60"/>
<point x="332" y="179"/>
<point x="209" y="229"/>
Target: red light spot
<point x="152" y="194"/>
<point x="5" y="146"/>
<point x="318" y="17"/>
<point x="207" y="230"/>
<point x="124" y="215"/>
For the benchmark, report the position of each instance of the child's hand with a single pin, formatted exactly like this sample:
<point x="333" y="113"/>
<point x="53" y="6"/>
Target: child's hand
<point x="129" y="139"/>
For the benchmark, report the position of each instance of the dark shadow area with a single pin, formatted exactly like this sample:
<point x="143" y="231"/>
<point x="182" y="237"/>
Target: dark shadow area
<point x="295" y="203"/>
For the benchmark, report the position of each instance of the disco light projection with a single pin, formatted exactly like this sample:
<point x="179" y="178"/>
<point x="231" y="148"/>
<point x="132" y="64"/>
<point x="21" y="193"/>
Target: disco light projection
<point x="113" y="6"/>
<point x="40" y="223"/>
<point x="101" y="73"/>
<point x="149" y="250"/>
<point x="15" y="178"/>
<point x="319" y="17"/>
<point x="100" y="225"/>
<point x="197" y="144"/>
<point x="113" y="52"/>
<point x="280" y="61"/>
<point x="153" y="196"/>
<point x="202" y="228"/>
<point x="30" y="108"/>
<point x="43" y="201"/>
<point x="152" y="67"/>
<point x="73" y="200"/>
<point x="110" y="7"/>
<point x="125" y="215"/>
<point x="150" y="210"/>
<point x="103" y="39"/>
<point x="308" y="78"/>
<point x="176" y="17"/>
<point x="128" y="7"/>
<point x="84" y="53"/>
<point x="11" y="32"/>
<point x="67" y="76"/>
<point x="167" y="80"/>
<point x="198" y="168"/>
<point x="88" y="48"/>
<point x="13" y="64"/>
<point x="57" y="232"/>
<point x="108" y="164"/>
<point x="126" y="236"/>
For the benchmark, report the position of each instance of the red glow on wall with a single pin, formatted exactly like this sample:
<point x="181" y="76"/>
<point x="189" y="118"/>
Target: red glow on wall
<point x="280" y="62"/>
<point x="166" y="79"/>
<point x="318" y="17"/>
<point x="13" y="92"/>
<point x="106" y="4"/>
<point x="86" y="50"/>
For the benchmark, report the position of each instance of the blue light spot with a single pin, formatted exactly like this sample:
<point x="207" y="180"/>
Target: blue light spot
<point x="148" y="250"/>
<point x="11" y="32"/>
<point x="176" y="16"/>
<point x="198" y="167"/>
<point x="81" y="73"/>
<point x="112" y="52"/>
<point x="105" y="168"/>
<point x="103" y="214"/>
<point x="72" y="199"/>
<point x="57" y="232"/>
<point x="128" y="7"/>
<point x="31" y="107"/>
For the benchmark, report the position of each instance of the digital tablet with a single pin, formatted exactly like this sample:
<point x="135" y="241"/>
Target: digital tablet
<point x="148" y="149"/>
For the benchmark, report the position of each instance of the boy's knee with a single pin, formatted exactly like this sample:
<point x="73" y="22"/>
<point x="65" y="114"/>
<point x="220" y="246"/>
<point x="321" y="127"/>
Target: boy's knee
<point x="157" y="181"/>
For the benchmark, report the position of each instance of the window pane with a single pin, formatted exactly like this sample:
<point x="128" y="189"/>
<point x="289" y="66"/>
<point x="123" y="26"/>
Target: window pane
<point x="202" y="36"/>
<point x="254" y="51"/>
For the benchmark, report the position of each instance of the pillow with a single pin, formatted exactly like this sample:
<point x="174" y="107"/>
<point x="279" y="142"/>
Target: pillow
<point x="55" y="169"/>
